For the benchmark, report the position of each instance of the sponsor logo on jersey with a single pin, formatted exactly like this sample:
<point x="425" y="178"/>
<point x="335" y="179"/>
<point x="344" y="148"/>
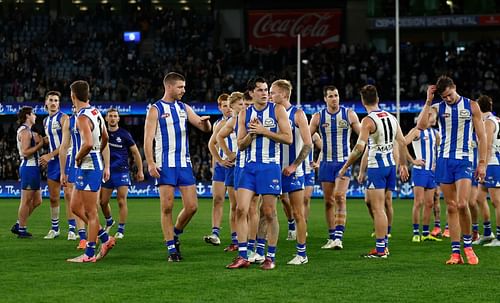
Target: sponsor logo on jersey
<point x="446" y="115"/>
<point x="118" y="139"/>
<point x="343" y="124"/>
<point x="182" y="114"/>
<point x="94" y="112"/>
<point x="269" y="123"/>
<point x="464" y="114"/>
<point x="165" y="115"/>
<point x="382" y="114"/>
<point x="325" y="125"/>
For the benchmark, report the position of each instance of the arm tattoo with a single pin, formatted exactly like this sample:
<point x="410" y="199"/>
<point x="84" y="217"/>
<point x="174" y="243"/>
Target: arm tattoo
<point x="304" y="152"/>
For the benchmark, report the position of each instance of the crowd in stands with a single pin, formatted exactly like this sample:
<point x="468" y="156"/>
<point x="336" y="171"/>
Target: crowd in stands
<point x="40" y="53"/>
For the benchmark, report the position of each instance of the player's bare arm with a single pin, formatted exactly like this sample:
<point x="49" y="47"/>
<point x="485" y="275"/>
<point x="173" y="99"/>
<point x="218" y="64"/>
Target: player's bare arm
<point x="202" y="123"/>
<point x="63" y="150"/>
<point x="480" y="172"/>
<point x="225" y="132"/>
<point x="423" y="118"/>
<point x="84" y="126"/>
<point x="367" y="126"/>
<point x="244" y="138"/>
<point x="138" y="161"/>
<point x="212" y="146"/>
<point x="403" y="151"/>
<point x="354" y="121"/>
<point x="149" y="133"/>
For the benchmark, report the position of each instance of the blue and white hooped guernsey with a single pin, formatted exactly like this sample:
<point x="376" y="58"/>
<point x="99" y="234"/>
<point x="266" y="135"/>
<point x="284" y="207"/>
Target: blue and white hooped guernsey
<point x="171" y="138"/>
<point x="335" y="132"/>
<point x="425" y="148"/>
<point x="53" y="129"/>
<point x="290" y="152"/>
<point x="381" y="142"/>
<point x="263" y="149"/>
<point x="455" y="127"/>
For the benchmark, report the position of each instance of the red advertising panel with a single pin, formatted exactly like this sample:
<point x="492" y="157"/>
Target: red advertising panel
<point x="275" y="29"/>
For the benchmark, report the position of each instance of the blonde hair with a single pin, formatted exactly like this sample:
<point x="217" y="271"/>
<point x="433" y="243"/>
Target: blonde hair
<point x="234" y="97"/>
<point x="223" y="97"/>
<point x="284" y="85"/>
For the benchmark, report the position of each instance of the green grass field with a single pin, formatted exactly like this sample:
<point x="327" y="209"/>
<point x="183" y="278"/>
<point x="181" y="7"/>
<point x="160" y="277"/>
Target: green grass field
<point x="136" y="269"/>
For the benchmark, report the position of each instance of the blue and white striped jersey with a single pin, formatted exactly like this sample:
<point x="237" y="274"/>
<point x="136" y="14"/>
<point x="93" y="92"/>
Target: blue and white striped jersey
<point x="495" y="148"/>
<point x="290" y="152"/>
<point x="425" y="148"/>
<point x="381" y="142"/>
<point x="53" y="129"/>
<point x="93" y="160"/>
<point x="455" y="127"/>
<point x="263" y="149"/>
<point x="171" y="138"/>
<point x="335" y="132"/>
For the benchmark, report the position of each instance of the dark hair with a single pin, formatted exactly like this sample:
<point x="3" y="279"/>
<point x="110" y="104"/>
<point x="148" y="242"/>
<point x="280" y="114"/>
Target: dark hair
<point x="443" y="83"/>
<point x="112" y="110"/>
<point x="52" y="93"/>
<point x="326" y="88"/>
<point x="252" y="83"/>
<point x="23" y="112"/>
<point x="80" y="89"/>
<point x="369" y="95"/>
<point x="485" y="103"/>
<point x="246" y="96"/>
<point x="171" y="77"/>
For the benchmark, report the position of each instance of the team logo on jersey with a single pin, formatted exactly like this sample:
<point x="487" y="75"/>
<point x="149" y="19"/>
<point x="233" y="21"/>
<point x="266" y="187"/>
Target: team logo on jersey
<point x="382" y="114"/>
<point x="269" y="122"/>
<point x="56" y="125"/>
<point x="94" y="112"/>
<point x="464" y="114"/>
<point x="182" y="114"/>
<point x="325" y="125"/>
<point x="118" y="139"/>
<point x="343" y="124"/>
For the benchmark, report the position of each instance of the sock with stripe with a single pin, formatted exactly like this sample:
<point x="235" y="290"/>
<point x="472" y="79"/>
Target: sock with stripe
<point x="170" y="244"/>
<point x="487" y="228"/>
<point x="437" y="223"/>
<point x="109" y="221"/>
<point x="291" y="224"/>
<point x="54" y="215"/>
<point x="251" y="245"/>
<point x="455" y="247"/>
<point x="103" y="236"/>
<point x="425" y="230"/>
<point x="22" y="230"/>
<point x="234" y="238"/>
<point x="475" y="227"/>
<point x="177" y="233"/>
<point x="339" y="232"/>
<point x="301" y="249"/>
<point x="271" y="252"/>
<point x="215" y="231"/>
<point x="331" y="233"/>
<point x="121" y="228"/>
<point x="242" y="250"/>
<point x="72" y="225"/>
<point x="389" y="228"/>
<point x="90" y="249"/>
<point x="82" y="233"/>
<point x="261" y="246"/>
<point x="498" y="232"/>
<point x="467" y="240"/>
<point x="416" y="229"/>
<point x="380" y="246"/>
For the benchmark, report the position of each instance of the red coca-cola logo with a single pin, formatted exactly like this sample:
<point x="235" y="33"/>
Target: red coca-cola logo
<point x="273" y="29"/>
<point x="307" y="25"/>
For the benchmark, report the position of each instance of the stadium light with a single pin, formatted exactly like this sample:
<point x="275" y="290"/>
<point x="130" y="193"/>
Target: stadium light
<point x="186" y="8"/>
<point x="40" y="1"/>
<point x="77" y="1"/>
<point x="84" y="8"/>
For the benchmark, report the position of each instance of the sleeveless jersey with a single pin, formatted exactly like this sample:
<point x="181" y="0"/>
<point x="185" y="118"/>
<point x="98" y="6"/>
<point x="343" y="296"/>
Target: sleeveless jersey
<point x="495" y="148"/>
<point x="425" y="148"/>
<point x="290" y="152"/>
<point x="455" y="127"/>
<point x="336" y="133"/>
<point x="381" y="142"/>
<point x="53" y="130"/>
<point x="307" y="163"/>
<point x="240" y="154"/>
<point x="232" y="140"/>
<point x="33" y="159"/>
<point x="93" y="160"/>
<point x="263" y="149"/>
<point x="171" y="138"/>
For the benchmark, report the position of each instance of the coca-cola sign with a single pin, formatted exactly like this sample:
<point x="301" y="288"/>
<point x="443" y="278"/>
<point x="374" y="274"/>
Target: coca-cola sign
<point x="275" y="29"/>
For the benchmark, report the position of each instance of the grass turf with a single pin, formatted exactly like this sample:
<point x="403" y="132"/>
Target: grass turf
<point x="136" y="269"/>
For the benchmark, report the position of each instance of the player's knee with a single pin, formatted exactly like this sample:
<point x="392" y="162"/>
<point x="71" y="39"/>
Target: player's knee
<point x="218" y="199"/>
<point x="339" y="196"/>
<point x="36" y="203"/>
